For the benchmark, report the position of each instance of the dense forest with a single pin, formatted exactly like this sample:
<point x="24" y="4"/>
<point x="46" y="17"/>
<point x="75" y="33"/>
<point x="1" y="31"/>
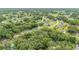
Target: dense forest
<point x="39" y="28"/>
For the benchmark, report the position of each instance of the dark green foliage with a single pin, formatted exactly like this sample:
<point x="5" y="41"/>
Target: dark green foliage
<point x="73" y="30"/>
<point x="34" y="29"/>
<point x="2" y="18"/>
<point x="34" y="40"/>
<point x="44" y="39"/>
<point x="5" y="34"/>
<point x="61" y="17"/>
<point x="73" y="22"/>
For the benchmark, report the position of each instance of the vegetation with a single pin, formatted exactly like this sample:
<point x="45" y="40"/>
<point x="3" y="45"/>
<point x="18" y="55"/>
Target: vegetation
<point x="39" y="29"/>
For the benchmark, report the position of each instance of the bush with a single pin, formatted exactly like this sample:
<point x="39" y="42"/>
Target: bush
<point x="44" y="39"/>
<point x="5" y="34"/>
<point x="1" y="46"/>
